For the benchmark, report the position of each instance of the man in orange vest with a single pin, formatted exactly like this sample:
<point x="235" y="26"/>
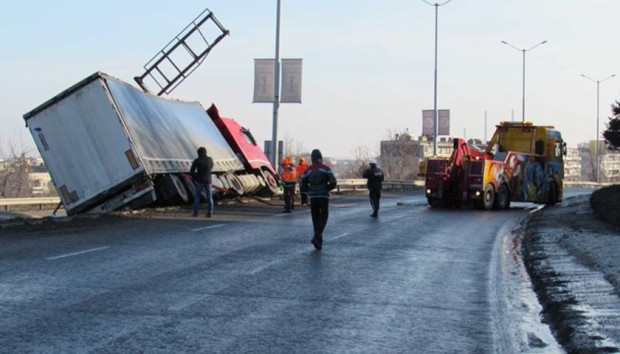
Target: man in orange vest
<point x="302" y="166"/>
<point x="289" y="179"/>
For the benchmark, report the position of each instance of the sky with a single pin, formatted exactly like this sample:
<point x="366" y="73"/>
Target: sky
<point x="368" y="66"/>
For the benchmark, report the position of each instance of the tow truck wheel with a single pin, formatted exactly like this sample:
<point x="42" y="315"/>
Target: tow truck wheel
<point x="434" y="202"/>
<point x="502" y="201"/>
<point x="488" y="198"/>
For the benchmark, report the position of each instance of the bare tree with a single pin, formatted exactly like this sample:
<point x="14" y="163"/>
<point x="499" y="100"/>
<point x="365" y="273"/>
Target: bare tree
<point x="14" y="171"/>
<point x="293" y="147"/>
<point x="354" y="167"/>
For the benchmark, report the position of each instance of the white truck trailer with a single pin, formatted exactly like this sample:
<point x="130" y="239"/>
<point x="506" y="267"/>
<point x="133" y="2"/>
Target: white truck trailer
<point x="108" y="144"/>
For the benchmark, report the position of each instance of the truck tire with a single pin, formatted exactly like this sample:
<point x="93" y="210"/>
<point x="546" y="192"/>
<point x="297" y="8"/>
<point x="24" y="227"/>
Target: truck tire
<point x="552" y="197"/>
<point x="502" y="199"/>
<point x="434" y="202"/>
<point x="235" y="183"/>
<point x="181" y="192"/>
<point x="488" y="197"/>
<point x="190" y="187"/>
<point x="272" y="187"/>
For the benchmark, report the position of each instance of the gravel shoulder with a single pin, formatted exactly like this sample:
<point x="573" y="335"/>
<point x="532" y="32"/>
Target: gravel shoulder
<point x="572" y="255"/>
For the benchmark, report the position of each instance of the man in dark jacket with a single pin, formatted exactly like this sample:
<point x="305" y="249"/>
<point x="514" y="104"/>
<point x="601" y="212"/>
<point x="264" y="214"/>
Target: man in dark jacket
<point x="374" y="175"/>
<point x="201" y="172"/>
<point x="318" y="181"/>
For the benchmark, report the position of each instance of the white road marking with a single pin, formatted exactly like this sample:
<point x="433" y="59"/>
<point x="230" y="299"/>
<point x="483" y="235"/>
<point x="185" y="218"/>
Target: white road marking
<point x="77" y="253"/>
<point x="339" y="236"/>
<point x="207" y="227"/>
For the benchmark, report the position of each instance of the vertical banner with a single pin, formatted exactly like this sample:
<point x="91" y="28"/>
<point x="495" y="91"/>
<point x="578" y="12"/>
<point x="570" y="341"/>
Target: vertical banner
<point x="444" y="121"/>
<point x="264" y="70"/>
<point x="291" y="81"/>
<point x="428" y="122"/>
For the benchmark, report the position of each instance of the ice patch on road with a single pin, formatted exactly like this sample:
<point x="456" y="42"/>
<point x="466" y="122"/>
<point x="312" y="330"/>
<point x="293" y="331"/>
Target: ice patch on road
<point x="518" y="327"/>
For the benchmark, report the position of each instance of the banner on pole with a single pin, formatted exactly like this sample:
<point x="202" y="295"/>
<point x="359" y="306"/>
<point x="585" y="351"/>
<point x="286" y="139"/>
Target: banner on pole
<point x="444" y="122"/>
<point x="264" y="70"/>
<point x="291" y="81"/>
<point x="428" y="122"/>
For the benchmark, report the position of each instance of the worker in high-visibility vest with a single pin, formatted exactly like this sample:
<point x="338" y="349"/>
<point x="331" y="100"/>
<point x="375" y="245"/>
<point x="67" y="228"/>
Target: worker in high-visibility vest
<point x="289" y="180"/>
<point x="301" y="167"/>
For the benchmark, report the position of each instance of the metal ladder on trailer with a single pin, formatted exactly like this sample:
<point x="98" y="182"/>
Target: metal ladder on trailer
<point x="171" y="65"/>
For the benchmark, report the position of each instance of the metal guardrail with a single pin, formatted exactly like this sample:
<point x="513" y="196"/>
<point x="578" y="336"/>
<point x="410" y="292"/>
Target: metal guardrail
<point x="40" y="201"/>
<point x="343" y="184"/>
<point x="355" y="183"/>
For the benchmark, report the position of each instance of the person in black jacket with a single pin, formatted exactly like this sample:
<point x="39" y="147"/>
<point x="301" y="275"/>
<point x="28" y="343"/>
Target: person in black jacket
<point x="318" y="181"/>
<point x="201" y="172"/>
<point x="374" y="175"/>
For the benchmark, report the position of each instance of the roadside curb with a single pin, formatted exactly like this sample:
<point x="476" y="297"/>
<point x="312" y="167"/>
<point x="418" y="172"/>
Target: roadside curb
<point x="574" y="280"/>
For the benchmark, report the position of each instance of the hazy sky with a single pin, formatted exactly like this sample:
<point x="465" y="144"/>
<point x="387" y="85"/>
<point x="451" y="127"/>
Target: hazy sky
<point x="367" y="65"/>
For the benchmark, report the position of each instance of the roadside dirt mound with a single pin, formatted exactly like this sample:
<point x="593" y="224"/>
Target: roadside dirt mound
<point x="606" y="204"/>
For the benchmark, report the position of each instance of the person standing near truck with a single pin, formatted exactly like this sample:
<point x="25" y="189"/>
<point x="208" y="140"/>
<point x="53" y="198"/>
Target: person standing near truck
<point x="318" y="181"/>
<point x="374" y="175"/>
<point x="301" y="168"/>
<point x="289" y="180"/>
<point x="201" y="172"/>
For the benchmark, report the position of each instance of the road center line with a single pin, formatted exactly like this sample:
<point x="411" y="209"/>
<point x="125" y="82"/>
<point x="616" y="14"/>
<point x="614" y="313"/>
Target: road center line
<point x="77" y="253"/>
<point x="339" y="236"/>
<point x="207" y="227"/>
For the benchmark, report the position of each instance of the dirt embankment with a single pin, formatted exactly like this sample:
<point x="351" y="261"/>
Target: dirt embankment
<point x="571" y="253"/>
<point x="606" y="204"/>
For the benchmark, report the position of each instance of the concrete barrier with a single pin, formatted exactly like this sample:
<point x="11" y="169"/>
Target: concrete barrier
<point x="40" y="201"/>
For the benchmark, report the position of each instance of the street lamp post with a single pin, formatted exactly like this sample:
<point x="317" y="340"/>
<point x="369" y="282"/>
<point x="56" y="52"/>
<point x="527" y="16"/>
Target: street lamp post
<point x="598" y="160"/>
<point x="276" y="94"/>
<point x="523" y="95"/>
<point x="436" y="132"/>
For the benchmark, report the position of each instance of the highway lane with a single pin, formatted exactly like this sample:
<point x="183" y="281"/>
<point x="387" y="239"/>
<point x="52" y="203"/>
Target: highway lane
<point x="248" y="280"/>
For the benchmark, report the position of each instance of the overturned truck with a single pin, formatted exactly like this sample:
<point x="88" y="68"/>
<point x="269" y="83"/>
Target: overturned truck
<point x="109" y="145"/>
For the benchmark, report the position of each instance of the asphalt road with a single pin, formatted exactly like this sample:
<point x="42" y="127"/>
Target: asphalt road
<point x="415" y="280"/>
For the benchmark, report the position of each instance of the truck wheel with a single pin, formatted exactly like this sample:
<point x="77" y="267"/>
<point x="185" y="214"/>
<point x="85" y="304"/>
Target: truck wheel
<point x="434" y="202"/>
<point x="488" y="197"/>
<point x="235" y="184"/>
<point x="502" y="201"/>
<point x="272" y="183"/>
<point x="190" y="187"/>
<point x="180" y="190"/>
<point x="552" y="197"/>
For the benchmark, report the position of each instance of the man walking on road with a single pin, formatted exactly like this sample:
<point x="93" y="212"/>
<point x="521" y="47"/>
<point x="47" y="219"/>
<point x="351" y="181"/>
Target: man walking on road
<point x="374" y="175"/>
<point x="318" y="181"/>
<point x="201" y="172"/>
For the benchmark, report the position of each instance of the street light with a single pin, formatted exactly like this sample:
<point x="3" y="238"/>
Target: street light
<point x="523" y="51"/>
<point x="276" y="94"/>
<point x="598" y="83"/>
<point x="436" y="132"/>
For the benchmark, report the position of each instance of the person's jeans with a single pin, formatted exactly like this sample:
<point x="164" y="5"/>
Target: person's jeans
<point x="198" y="194"/>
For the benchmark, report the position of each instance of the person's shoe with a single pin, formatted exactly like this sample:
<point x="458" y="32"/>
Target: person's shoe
<point x="373" y="215"/>
<point x="317" y="243"/>
<point x="194" y="215"/>
<point x="286" y="211"/>
<point x="208" y="215"/>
